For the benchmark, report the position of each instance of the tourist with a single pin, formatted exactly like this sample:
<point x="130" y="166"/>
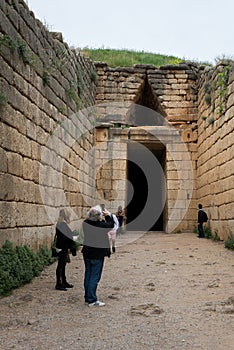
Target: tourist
<point x="96" y="247"/>
<point x="64" y="242"/>
<point x="202" y="217"/>
<point x="113" y="231"/>
<point x="120" y="214"/>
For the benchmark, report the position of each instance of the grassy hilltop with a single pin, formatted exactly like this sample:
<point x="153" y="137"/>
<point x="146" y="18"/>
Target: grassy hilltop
<point x="127" y="58"/>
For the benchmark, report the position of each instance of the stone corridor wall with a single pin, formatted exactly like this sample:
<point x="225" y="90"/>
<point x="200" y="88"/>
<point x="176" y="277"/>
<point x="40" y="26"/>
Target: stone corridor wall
<point x="215" y="174"/>
<point x="47" y="132"/>
<point x="43" y="83"/>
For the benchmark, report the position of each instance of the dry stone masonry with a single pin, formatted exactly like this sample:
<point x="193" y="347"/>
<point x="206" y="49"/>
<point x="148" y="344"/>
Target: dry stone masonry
<point x="42" y="83"/>
<point x="69" y="127"/>
<point x="171" y="92"/>
<point x="215" y="165"/>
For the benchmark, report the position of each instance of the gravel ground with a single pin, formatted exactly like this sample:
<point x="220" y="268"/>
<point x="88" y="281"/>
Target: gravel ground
<point x="162" y="291"/>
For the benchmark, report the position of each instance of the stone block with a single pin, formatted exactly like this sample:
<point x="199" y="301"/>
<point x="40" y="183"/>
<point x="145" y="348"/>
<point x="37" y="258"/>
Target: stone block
<point x="15" y="163"/>
<point x="172" y="185"/>
<point x="102" y="134"/>
<point x="6" y="71"/>
<point x="7" y="190"/>
<point x="226" y="211"/>
<point x="4" y="161"/>
<point x="230" y="101"/>
<point x="34" y="237"/>
<point x="104" y="184"/>
<point x="8" y="212"/>
<point x="13" y="235"/>
<point x="119" y="164"/>
<point x="30" y="169"/>
<point x="106" y="174"/>
<point x="118" y="174"/>
<point x="172" y="194"/>
<point x="189" y="136"/>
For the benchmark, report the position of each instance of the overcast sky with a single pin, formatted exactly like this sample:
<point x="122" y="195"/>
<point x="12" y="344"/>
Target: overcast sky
<point x="200" y="30"/>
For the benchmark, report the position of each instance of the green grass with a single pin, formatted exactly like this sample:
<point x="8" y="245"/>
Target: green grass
<point x="128" y="58"/>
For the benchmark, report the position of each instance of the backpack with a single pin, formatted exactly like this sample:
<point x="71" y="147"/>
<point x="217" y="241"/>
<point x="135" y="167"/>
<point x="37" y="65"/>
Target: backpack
<point x="204" y="216"/>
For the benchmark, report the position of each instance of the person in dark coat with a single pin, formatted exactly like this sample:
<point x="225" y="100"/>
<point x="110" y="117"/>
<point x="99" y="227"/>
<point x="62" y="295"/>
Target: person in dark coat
<point x="64" y="243"/>
<point x="201" y="218"/>
<point x="96" y="247"/>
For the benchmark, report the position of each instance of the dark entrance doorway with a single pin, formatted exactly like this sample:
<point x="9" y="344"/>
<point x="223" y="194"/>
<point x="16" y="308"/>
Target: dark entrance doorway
<point x="139" y="190"/>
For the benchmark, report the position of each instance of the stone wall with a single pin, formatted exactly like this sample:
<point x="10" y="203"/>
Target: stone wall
<point x="171" y="92"/>
<point x="215" y="174"/>
<point x="198" y="102"/>
<point x="66" y="124"/>
<point x="43" y="85"/>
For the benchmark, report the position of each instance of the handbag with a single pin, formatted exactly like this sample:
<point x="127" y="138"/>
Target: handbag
<point x="54" y="252"/>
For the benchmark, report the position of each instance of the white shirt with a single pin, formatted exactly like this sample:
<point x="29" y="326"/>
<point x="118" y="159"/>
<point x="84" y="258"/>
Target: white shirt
<point x="116" y="222"/>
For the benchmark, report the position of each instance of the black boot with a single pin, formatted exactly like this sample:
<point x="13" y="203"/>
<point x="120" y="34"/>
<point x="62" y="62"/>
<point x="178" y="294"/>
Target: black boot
<point x="60" y="286"/>
<point x="66" y="284"/>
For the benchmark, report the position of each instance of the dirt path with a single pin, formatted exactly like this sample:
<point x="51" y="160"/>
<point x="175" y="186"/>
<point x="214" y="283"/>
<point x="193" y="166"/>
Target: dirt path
<point x="165" y="292"/>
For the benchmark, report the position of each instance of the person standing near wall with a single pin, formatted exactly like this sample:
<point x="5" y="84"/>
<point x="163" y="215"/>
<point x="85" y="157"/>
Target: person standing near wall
<point x="112" y="233"/>
<point x="120" y="214"/>
<point x="96" y="247"/>
<point x="202" y="217"/>
<point x="64" y="243"/>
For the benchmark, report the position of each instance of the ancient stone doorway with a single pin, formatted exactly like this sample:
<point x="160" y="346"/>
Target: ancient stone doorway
<point x="137" y="190"/>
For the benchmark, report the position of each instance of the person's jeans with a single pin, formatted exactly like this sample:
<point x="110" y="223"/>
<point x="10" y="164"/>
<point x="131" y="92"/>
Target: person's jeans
<point x="93" y="273"/>
<point x="200" y="230"/>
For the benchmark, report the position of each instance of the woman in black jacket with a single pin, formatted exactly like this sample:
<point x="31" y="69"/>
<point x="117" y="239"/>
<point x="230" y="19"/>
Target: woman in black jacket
<point x="96" y="247"/>
<point x="64" y="243"/>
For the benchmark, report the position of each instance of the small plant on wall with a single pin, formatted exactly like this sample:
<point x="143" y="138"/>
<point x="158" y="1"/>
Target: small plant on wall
<point x="20" y="46"/>
<point x="94" y="76"/>
<point x="23" y="52"/>
<point x="73" y="95"/>
<point x="45" y="77"/>
<point x="80" y="80"/>
<point x="211" y="120"/>
<point x="208" y="91"/>
<point x="222" y="83"/>
<point x="7" y="41"/>
<point x="216" y="93"/>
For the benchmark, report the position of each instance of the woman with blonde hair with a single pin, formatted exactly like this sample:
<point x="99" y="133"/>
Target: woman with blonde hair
<point x="64" y="243"/>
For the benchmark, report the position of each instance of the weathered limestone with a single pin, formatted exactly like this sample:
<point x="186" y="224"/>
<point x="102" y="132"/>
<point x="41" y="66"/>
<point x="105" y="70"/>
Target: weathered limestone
<point x="215" y="175"/>
<point x="171" y="91"/>
<point x="42" y="84"/>
<point x="66" y="124"/>
<point x="208" y="133"/>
